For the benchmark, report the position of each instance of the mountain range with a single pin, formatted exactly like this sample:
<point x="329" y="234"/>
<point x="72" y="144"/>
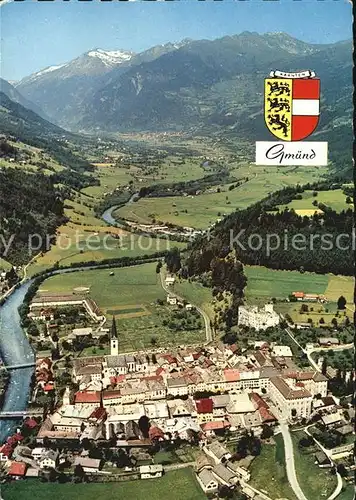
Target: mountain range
<point x="196" y="86"/>
<point x="203" y="85"/>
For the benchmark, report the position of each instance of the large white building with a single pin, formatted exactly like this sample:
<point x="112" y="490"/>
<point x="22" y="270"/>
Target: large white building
<point x="260" y="319"/>
<point x="292" y="401"/>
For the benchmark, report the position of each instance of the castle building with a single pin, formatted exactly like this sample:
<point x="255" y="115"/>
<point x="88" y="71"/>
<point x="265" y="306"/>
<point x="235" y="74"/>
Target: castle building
<point x="114" y="341"/>
<point x="260" y="319"/>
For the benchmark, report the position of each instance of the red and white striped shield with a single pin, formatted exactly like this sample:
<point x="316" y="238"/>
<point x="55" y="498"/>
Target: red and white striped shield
<point x="305" y="107"/>
<point x="292" y="104"/>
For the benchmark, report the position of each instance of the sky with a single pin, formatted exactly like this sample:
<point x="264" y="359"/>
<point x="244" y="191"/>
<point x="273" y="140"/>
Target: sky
<point x="35" y="35"/>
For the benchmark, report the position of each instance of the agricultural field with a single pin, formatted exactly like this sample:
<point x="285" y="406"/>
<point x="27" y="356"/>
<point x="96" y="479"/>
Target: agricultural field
<point x="334" y="199"/>
<point x="131" y="295"/>
<point x="4" y="265"/>
<point x="76" y="244"/>
<point x="341" y="285"/>
<point x="128" y="286"/>
<point x="196" y="293"/>
<point x="201" y="211"/>
<point x="36" y="155"/>
<point x="185" y="487"/>
<point x="264" y="283"/>
<point x="268" y="472"/>
<point x="320" y="314"/>
<point x="315" y="482"/>
<point x="110" y="177"/>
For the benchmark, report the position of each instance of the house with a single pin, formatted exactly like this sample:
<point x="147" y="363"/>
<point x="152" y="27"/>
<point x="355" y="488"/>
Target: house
<point x="220" y="403"/>
<point x="204" y="409"/>
<point x="322" y="459"/>
<point x="32" y="472"/>
<point x="171" y="300"/>
<point x="283" y="351"/>
<point x="38" y="453"/>
<point x="332" y="419"/>
<point x="111" y="398"/>
<point x="240" y="403"/>
<point x="49" y="459"/>
<point x="88" y="464"/>
<point x="315" y="382"/>
<point x="207" y="481"/>
<point x="210" y="428"/>
<point x="224" y="475"/>
<point x="239" y="470"/>
<point x="150" y="471"/>
<point x="92" y="398"/>
<point x="170" y="280"/>
<point x="328" y="341"/>
<point x="17" y="469"/>
<point x="218" y="452"/>
<point x="344" y="430"/>
<point x="311" y="297"/>
<point x="80" y="333"/>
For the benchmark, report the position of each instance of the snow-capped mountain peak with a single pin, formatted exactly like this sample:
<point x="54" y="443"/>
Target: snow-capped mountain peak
<point x="34" y="76"/>
<point x="49" y="69"/>
<point x="111" y="57"/>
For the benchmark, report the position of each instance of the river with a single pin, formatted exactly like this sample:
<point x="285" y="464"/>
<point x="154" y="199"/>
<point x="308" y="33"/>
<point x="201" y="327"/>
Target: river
<point x="15" y="349"/>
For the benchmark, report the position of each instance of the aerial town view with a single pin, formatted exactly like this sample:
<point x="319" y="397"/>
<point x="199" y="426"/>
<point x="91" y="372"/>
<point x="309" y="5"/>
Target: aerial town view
<point x="177" y="247"/>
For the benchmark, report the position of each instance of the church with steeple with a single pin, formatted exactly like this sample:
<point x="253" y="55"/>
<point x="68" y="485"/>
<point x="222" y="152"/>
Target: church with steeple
<point x="114" y="341"/>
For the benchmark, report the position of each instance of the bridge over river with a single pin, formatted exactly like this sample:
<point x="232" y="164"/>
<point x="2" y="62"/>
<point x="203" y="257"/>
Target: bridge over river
<point x="19" y="366"/>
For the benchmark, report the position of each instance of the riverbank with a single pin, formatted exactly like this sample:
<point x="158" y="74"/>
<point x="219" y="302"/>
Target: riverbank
<point x="15" y="349"/>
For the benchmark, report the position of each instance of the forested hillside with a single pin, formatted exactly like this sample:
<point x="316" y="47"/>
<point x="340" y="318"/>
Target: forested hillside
<point x="29" y="205"/>
<point x="262" y="235"/>
<point x="28" y="127"/>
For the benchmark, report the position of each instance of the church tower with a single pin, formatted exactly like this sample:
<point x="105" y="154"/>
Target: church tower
<point x="114" y="343"/>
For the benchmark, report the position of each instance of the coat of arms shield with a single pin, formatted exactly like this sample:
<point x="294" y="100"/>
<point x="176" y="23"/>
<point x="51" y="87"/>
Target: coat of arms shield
<point x="292" y="104"/>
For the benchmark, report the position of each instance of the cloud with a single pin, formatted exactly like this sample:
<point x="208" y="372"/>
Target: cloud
<point x="3" y="2"/>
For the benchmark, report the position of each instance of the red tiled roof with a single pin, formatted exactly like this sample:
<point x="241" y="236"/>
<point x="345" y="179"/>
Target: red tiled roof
<point x="171" y="359"/>
<point x="13" y="440"/>
<point x="87" y="397"/>
<point x="159" y="371"/>
<point x="204" y="405"/>
<point x="261" y="403"/>
<point x="6" y="450"/>
<point x="298" y="294"/>
<point x="155" y="433"/>
<point x="30" y="423"/>
<point x="98" y="413"/>
<point x="231" y="375"/>
<point x="214" y="426"/>
<point x="47" y="361"/>
<point x="48" y="387"/>
<point x="111" y="394"/>
<point x="233" y="348"/>
<point x="266" y="415"/>
<point x="17" y="469"/>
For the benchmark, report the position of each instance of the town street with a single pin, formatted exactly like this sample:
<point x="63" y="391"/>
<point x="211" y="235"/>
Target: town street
<point x="289" y="459"/>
